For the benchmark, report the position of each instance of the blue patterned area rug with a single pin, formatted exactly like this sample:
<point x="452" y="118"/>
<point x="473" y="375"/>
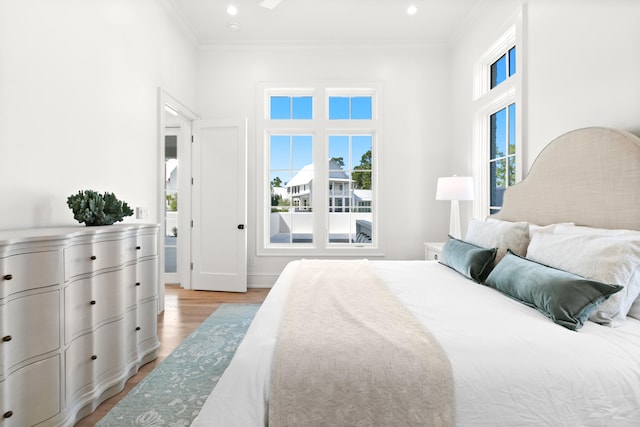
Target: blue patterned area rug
<point x="172" y="394"/>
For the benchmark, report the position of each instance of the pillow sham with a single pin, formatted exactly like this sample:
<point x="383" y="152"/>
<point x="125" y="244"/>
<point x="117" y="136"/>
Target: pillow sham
<point x="470" y="260"/>
<point x="535" y="228"/>
<point x="565" y="298"/>
<point x="609" y="256"/>
<point x="503" y="235"/>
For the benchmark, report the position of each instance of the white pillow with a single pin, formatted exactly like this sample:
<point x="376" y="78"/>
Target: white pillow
<point x="493" y="233"/>
<point x="609" y="256"/>
<point x="535" y="228"/>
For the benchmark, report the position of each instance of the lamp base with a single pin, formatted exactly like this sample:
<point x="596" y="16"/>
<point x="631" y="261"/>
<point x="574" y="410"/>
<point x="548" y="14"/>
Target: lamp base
<point x="454" y="220"/>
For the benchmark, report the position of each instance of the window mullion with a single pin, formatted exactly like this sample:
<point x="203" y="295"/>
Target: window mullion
<point x="320" y="188"/>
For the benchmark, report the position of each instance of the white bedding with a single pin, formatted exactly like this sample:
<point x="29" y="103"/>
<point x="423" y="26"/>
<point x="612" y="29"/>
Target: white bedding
<point x="511" y="364"/>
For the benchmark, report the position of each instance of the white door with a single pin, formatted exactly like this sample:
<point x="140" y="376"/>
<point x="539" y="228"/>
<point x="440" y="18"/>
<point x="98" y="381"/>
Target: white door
<point x="218" y="235"/>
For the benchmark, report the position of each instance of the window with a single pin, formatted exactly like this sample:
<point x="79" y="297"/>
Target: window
<point x="502" y="135"/>
<point x="497" y="145"/>
<point x="504" y="67"/>
<point x="350" y="108"/>
<point x="290" y="107"/>
<point x="502" y="160"/>
<point x="321" y="157"/>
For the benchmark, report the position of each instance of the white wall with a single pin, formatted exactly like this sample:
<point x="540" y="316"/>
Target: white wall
<point x="78" y="103"/>
<point x="416" y="109"/>
<point x="581" y="69"/>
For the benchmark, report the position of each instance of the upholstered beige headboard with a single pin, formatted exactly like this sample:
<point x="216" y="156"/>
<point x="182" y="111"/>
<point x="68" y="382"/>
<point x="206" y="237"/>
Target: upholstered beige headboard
<point x="588" y="176"/>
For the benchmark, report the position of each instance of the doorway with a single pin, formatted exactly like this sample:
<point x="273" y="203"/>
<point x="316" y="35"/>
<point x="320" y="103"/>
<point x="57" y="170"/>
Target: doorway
<point x="170" y="228"/>
<point x="202" y="200"/>
<point x="174" y="192"/>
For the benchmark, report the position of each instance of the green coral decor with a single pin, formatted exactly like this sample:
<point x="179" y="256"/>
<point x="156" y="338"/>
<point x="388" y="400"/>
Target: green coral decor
<point x="93" y="208"/>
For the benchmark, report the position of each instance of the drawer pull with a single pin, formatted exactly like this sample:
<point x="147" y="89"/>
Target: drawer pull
<point x="7" y="338"/>
<point x="137" y="283"/>
<point x="94" y="357"/>
<point x="92" y="302"/>
<point x="8" y="414"/>
<point x="93" y="257"/>
<point x="138" y="328"/>
<point x="138" y="248"/>
<point x="7" y="277"/>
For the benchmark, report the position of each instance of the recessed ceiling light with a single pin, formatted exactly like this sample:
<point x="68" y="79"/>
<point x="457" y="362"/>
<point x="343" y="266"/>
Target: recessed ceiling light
<point x="412" y="10"/>
<point x="232" y="10"/>
<point x="270" y="4"/>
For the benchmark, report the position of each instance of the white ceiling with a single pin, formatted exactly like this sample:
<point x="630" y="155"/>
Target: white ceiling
<point x="325" y="21"/>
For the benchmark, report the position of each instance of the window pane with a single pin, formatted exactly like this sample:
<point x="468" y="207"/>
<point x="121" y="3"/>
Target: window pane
<point x="339" y="231"/>
<point x="338" y="108"/>
<point x="302" y="107"/>
<point x="498" y="71"/>
<point x="497" y="175"/>
<point x="512" y="61"/>
<point x="290" y="188"/>
<point x="361" y="108"/>
<point x="280" y="108"/>
<point x="338" y="151"/>
<point x="361" y="152"/>
<point x="280" y="152"/>
<point x="279" y="227"/>
<point x="362" y="181"/>
<point x="350" y="190"/>
<point x="512" y="128"/>
<point x="498" y="135"/>
<point x="512" y="170"/>
<point x="301" y="151"/>
<point x="279" y="192"/>
<point x="301" y="225"/>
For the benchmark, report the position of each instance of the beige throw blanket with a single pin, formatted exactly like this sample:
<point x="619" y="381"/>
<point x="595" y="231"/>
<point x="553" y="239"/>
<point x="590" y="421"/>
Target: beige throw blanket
<point x="349" y="354"/>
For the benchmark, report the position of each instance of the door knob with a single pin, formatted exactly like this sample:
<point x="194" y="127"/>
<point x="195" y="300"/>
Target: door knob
<point x="240" y="226"/>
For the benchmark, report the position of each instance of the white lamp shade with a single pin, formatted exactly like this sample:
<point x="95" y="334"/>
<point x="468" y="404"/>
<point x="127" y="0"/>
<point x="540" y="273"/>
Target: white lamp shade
<point x="455" y="188"/>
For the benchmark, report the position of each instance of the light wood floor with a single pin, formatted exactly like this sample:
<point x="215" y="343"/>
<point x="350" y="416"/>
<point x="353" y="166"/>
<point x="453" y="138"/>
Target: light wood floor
<point x="184" y="311"/>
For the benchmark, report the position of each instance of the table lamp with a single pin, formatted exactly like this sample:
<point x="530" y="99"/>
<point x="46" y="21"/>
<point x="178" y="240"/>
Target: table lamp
<point x="455" y="188"/>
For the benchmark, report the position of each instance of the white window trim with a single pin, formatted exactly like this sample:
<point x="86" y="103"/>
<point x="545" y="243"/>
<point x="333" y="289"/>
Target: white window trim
<point x="488" y="101"/>
<point x="319" y="127"/>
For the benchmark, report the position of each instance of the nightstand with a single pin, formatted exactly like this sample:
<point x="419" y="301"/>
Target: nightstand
<point x="432" y="250"/>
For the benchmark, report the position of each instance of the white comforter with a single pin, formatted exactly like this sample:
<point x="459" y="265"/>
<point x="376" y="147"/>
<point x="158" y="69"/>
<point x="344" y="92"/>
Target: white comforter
<point x="511" y="365"/>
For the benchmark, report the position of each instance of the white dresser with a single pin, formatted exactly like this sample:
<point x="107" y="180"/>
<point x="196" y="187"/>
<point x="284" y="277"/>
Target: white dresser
<point x="78" y="317"/>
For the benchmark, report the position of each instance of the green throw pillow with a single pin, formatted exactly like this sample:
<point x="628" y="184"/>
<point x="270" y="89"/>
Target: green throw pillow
<point x="564" y="297"/>
<point x="473" y="262"/>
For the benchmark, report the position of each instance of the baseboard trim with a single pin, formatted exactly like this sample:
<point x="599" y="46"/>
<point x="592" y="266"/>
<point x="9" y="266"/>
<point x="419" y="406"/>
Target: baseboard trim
<point x="261" y="280"/>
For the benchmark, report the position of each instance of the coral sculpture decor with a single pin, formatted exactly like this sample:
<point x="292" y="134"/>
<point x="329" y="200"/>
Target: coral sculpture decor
<point x="93" y="208"/>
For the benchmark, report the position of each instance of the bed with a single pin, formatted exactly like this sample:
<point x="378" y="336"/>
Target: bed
<point x="535" y="311"/>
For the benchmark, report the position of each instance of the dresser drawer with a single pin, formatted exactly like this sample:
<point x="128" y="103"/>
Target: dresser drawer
<point x="29" y="326"/>
<point x="18" y="272"/>
<point x="147" y="245"/>
<point x="147" y="279"/>
<point x="88" y="258"/>
<point x="31" y="394"/>
<point x="147" y="325"/>
<point x="130" y="336"/>
<point x="97" y="299"/>
<point x="95" y="359"/>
